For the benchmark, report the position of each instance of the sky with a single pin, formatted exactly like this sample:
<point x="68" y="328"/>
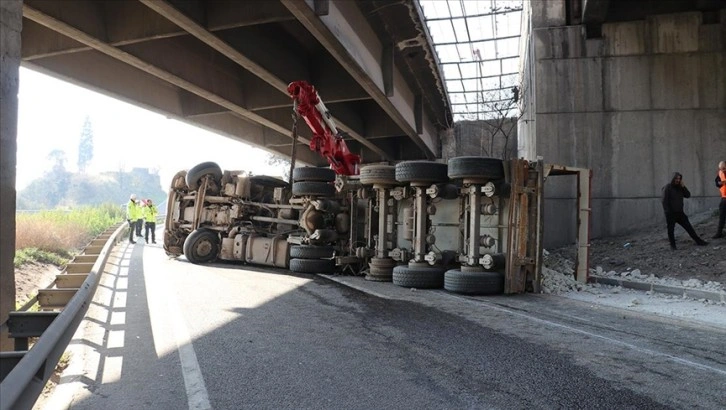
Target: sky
<point x="51" y="116"/>
<point x="477" y="43"/>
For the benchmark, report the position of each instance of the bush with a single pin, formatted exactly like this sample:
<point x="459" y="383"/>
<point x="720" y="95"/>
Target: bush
<point x="61" y="232"/>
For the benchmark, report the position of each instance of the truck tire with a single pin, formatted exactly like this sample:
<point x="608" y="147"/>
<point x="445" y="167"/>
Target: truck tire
<point x="312" y="265"/>
<point x="421" y="171"/>
<point x="313" y="174"/>
<point x="179" y="181"/>
<point x="378" y="174"/>
<point x="197" y="172"/>
<point x="268" y="181"/>
<point x="201" y="246"/>
<point x="474" y="283"/>
<point x="476" y="167"/>
<point x="311" y="252"/>
<point x="309" y="188"/>
<point x="421" y="278"/>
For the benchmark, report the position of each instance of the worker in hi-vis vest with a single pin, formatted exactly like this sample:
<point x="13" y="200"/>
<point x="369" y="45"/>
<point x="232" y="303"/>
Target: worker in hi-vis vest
<point x="133" y="215"/>
<point x="150" y="214"/>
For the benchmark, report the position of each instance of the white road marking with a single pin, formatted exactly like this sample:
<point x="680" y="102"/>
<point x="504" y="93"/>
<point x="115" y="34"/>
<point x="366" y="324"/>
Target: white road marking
<point x="164" y="312"/>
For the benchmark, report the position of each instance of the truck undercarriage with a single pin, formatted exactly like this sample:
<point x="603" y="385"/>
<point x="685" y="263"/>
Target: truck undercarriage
<point x="422" y="224"/>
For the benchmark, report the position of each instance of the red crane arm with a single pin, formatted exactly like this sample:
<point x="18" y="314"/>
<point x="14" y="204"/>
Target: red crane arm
<point x="326" y="140"/>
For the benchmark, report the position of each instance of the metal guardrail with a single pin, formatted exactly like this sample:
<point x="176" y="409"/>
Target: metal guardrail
<point x="31" y="369"/>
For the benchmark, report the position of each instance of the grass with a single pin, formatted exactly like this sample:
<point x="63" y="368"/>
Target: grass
<point x="31" y="255"/>
<point x="54" y="236"/>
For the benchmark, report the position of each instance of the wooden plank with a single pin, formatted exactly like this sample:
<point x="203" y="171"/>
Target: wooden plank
<point x="584" y="179"/>
<point x="539" y="229"/>
<point x="92" y="250"/>
<point x="70" y="280"/>
<point x="85" y="259"/>
<point x="54" y="298"/>
<point x="513" y="272"/>
<point x="79" y="267"/>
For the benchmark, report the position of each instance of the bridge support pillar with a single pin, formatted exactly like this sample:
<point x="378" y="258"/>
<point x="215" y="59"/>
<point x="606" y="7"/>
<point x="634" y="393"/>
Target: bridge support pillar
<point x="11" y="20"/>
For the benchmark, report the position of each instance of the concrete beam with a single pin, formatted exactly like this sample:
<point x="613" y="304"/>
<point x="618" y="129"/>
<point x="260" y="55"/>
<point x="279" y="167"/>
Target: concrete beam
<point x="226" y="14"/>
<point x="356" y="47"/>
<point x="123" y="82"/>
<point x="595" y="11"/>
<point x="105" y="48"/>
<point x="548" y="13"/>
<point x="192" y="27"/>
<point x="129" y="22"/>
<point x="230" y="52"/>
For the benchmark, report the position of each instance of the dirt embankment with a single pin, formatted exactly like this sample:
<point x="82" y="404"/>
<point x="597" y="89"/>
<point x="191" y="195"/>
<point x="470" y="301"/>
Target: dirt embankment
<point x="649" y="251"/>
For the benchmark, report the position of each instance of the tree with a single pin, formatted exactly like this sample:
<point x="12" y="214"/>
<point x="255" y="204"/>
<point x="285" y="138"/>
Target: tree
<point x="58" y="158"/>
<point x="499" y="112"/>
<point x="504" y="114"/>
<point x="58" y="179"/>
<point x="85" y="146"/>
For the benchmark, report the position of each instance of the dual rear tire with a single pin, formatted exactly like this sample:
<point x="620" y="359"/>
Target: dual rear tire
<point x="312" y="259"/>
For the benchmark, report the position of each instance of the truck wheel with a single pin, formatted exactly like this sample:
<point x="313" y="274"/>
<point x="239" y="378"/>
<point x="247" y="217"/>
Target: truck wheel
<point x="421" y="171"/>
<point x="311" y="252"/>
<point x="474" y="283"/>
<point x="201" y="246"/>
<point x="421" y="278"/>
<point x="179" y="181"/>
<point x="378" y="174"/>
<point x="268" y="181"/>
<point x="197" y="172"/>
<point x="313" y="174"/>
<point x="312" y="265"/>
<point x="476" y="167"/>
<point x="313" y="189"/>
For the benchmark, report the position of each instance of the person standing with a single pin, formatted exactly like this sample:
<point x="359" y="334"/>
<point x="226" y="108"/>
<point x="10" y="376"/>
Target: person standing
<point x="139" y="218"/>
<point x="133" y="212"/>
<point x="150" y="214"/>
<point x="672" y="200"/>
<point x="721" y="184"/>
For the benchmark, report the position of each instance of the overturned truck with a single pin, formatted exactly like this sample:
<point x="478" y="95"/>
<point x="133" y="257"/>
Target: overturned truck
<point x="471" y="225"/>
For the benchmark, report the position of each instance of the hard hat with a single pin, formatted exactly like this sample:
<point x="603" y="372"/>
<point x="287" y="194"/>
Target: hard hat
<point x="133" y="197"/>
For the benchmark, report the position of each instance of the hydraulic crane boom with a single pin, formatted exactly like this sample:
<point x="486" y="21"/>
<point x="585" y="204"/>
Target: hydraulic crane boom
<point x="327" y="140"/>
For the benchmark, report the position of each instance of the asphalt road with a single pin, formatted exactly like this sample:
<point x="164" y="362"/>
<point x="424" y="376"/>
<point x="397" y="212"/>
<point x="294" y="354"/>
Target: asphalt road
<point x="167" y="334"/>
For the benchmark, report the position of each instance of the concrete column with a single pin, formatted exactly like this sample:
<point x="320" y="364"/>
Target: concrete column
<point x="11" y="21"/>
<point x="548" y="13"/>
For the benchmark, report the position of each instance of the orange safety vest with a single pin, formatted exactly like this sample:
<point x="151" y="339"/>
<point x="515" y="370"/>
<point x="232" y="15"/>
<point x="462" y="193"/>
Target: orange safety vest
<point x="722" y="175"/>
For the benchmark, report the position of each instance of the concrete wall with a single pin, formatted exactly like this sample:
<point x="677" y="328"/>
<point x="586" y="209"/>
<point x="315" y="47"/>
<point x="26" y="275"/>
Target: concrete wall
<point x="643" y="101"/>
<point x="491" y="138"/>
<point x="11" y="18"/>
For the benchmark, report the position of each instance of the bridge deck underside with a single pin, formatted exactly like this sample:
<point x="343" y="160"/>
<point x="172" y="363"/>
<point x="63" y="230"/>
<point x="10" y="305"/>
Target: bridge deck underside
<point x="225" y="66"/>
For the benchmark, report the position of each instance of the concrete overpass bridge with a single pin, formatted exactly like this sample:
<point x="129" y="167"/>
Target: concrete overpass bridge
<point x="633" y="91"/>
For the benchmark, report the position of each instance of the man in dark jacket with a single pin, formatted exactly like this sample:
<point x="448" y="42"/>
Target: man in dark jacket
<point x="721" y="185"/>
<point x="673" y="194"/>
